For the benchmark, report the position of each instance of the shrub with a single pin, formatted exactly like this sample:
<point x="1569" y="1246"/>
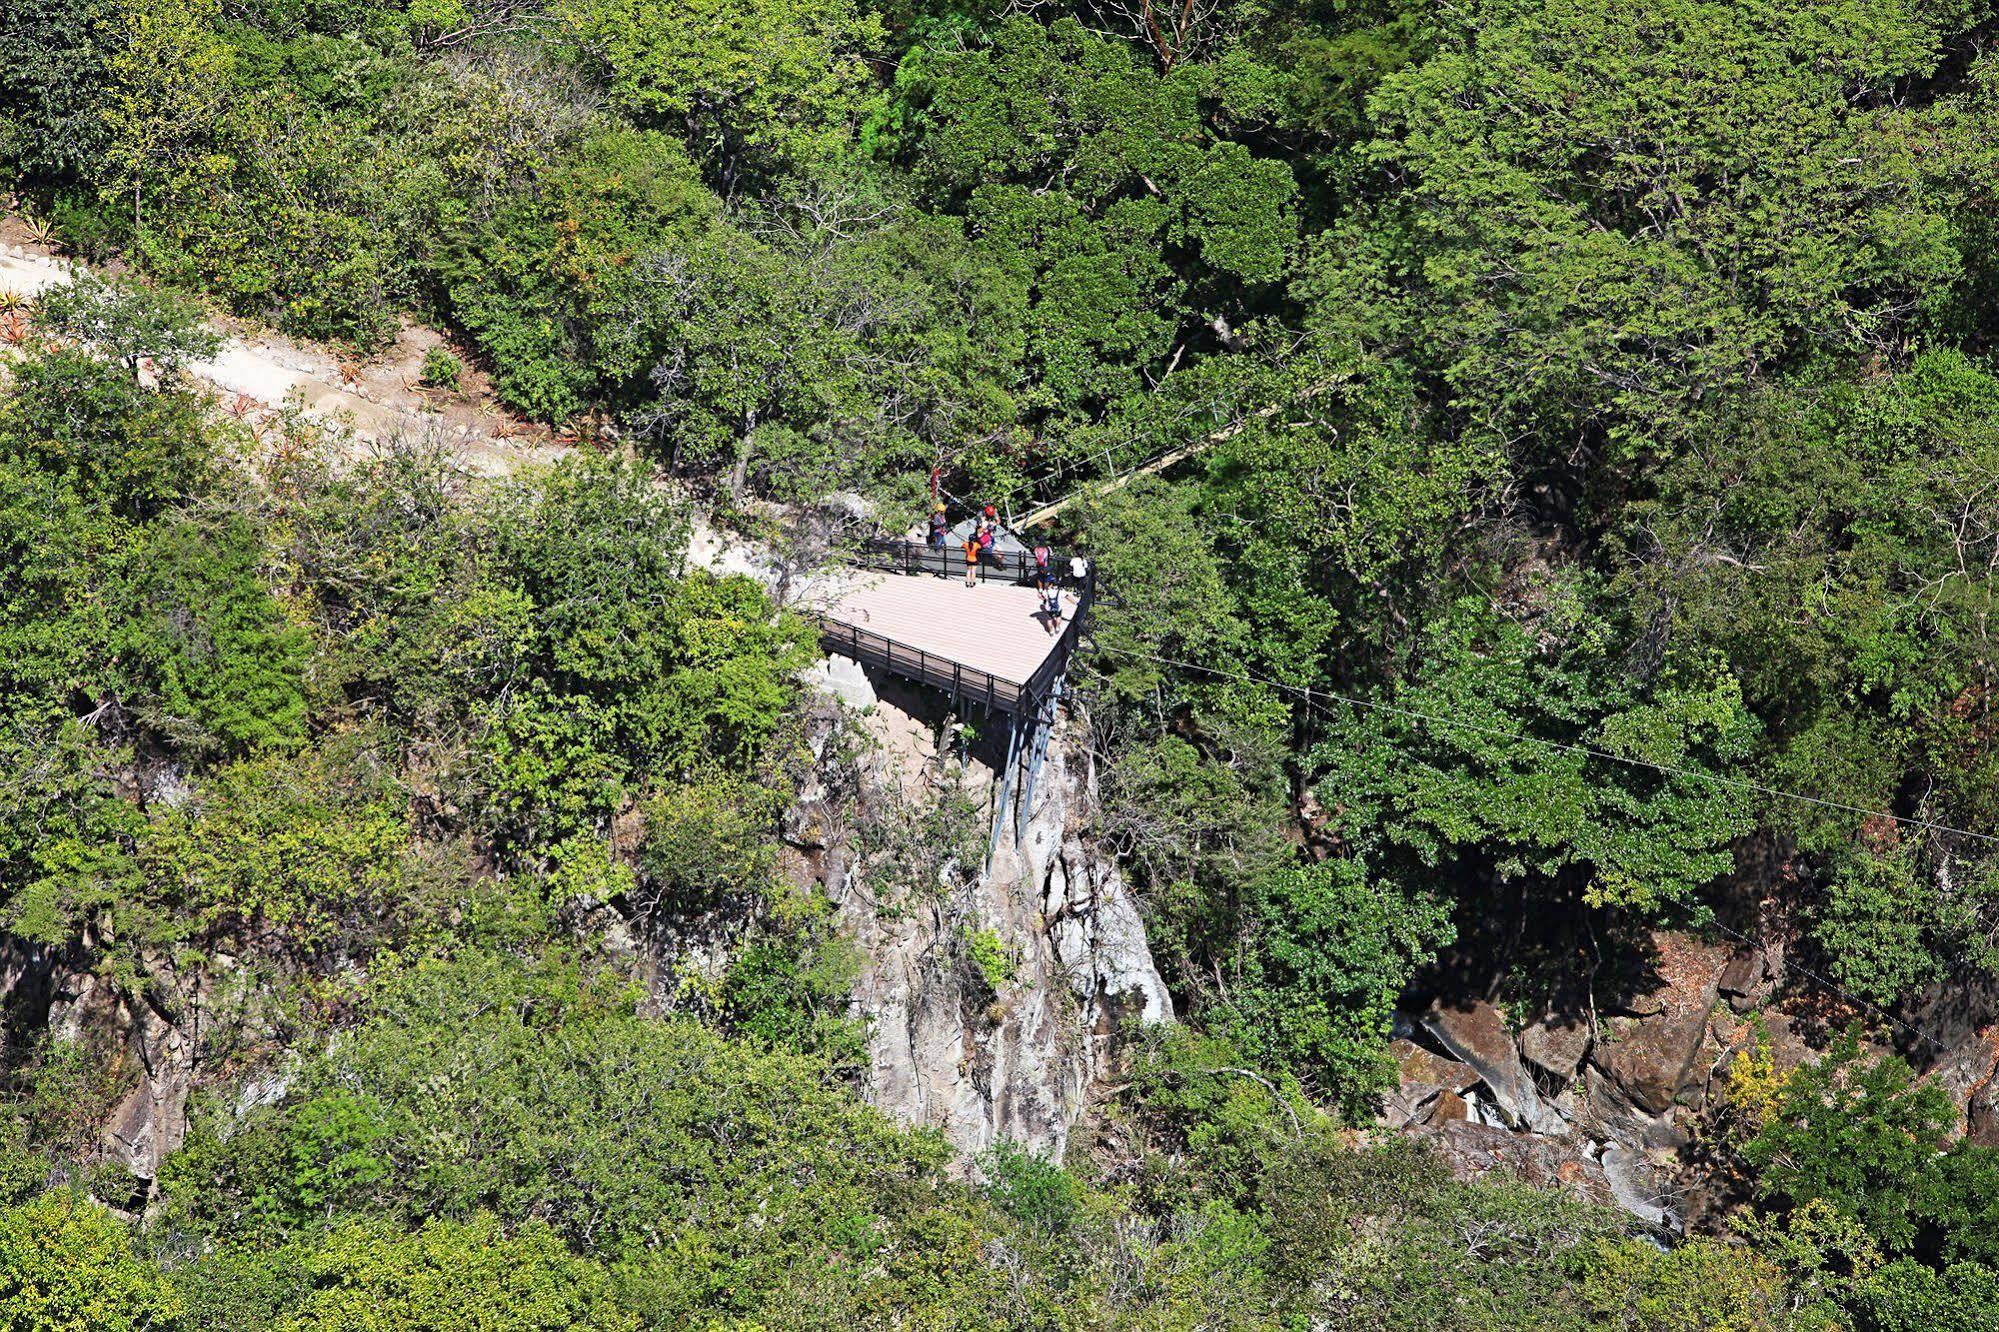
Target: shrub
<point x="67" y="1265"/>
<point x="706" y="840"/>
<point x="128" y="321"/>
<point x="442" y="370"/>
<point x="1031" y="1189"/>
<point x="1859" y="1133"/>
<point x="210" y="664"/>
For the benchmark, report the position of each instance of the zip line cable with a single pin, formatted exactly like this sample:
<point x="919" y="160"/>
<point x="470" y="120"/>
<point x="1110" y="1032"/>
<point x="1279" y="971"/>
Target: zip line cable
<point x="1856" y="1000"/>
<point x="1313" y="704"/>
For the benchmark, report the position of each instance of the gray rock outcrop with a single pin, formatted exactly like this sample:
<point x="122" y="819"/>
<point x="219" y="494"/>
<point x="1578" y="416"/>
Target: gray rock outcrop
<point x="948" y="1048"/>
<point x="1472" y="1151"/>
<point x="157" y="1035"/>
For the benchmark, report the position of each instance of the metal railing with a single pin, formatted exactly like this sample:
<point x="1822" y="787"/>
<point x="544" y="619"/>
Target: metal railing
<point x="964" y="683"/>
<point x="915" y="557"/>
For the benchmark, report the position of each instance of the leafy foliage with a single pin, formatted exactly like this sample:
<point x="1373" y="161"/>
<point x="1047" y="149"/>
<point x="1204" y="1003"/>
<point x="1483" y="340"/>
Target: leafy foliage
<point x="1862" y="1135"/>
<point x="1530" y="435"/>
<point x="1332" y="954"/>
<point x="1611" y="788"/>
<point x="67" y="1265"/>
<point x="128" y="322"/>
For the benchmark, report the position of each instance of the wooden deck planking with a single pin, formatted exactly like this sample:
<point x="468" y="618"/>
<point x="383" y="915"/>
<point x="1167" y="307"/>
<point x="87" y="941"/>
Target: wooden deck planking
<point x="991" y="627"/>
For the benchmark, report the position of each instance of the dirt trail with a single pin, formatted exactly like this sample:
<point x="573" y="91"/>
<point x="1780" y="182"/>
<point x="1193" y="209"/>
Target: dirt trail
<point x="258" y="373"/>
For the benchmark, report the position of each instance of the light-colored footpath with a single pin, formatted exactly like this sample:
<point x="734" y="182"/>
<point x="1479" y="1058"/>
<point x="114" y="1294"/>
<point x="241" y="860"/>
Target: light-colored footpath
<point x="261" y="374"/>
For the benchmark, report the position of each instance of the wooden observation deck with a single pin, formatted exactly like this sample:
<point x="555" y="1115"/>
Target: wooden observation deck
<point x="906" y="610"/>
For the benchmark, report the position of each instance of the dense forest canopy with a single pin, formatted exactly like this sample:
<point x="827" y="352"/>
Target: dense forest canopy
<point x="1582" y="436"/>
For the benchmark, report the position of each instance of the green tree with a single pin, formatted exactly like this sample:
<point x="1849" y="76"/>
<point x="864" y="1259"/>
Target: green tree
<point x="1886" y="933"/>
<point x="291" y="848"/>
<point x="535" y="1092"/>
<point x="55" y="555"/>
<point x="1859" y="1133"/>
<point x="550" y="280"/>
<point x="1699" y="1285"/>
<point x="128" y="321"/>
<point x="67" y="1265"/>
<point x="1165" y="588"/>
<point x="836" y="332"/>
<point x="55" y="69"/>
<point x="707" y="840"/>
<point x="634" y="667"/>
<point x="1314" y="980"/>
<point x="776" y="83"/>
<point x="117" y="447"/>
<point x="1326" y="1208"/>
<point x="66" y="834"/>
<point x="1577" y="255"/>
<point x="470" y="1277"/>
<point x="1828" y="543"/>
<point x="1905" y="1296"/>
<point x="1133" y="229"/>
<point x="206" y="656"/>
<point x="1505" y="746"/>
<point x="169" y="80"/>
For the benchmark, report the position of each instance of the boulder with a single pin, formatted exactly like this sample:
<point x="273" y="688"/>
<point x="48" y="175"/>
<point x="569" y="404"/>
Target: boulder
<point x="1644" y="1004"/>
<point x="1448" y="1107"/>
<point x="1472" y="1151"/>
<point x="1636" y="1185"/>
<point x="844" y="679"/>
<point x="1775" y="1031"/>
<point x="1423" y="1078"/>
<point x="25" y="971"/>
<point x="1556" y="1044"/>
<point x="808" y="825"/>
<point x="1744" y="981"/>
<point x="1653" y="1059"/>
<point x="1685" y="978"/>
<point x="1981" y="1116"/>
<point x="1418" y="1067"/>
<point x="1967" y="1075"/>
<point x="151" y="1121"/>
<point x="1017" y="1063"/>
<point x="1477" y="1034"/>
<point x="1610" y="1113"/>
<point x="1399" y="1110"/>
<point x="155" y="1028"/>
<point x="1753" y="974"/>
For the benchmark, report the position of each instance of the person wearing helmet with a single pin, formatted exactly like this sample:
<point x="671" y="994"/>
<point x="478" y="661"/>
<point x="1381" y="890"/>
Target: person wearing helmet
<point x="940" y="527"/>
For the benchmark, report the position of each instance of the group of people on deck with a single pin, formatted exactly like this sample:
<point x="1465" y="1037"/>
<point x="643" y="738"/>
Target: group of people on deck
<point x="981" y="548"/>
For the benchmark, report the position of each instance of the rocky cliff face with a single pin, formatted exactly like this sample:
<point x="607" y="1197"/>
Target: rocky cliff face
<point x="1004" y="1044"/>
<point x="1604" y="1096"/>
<point x="155" y="1036"/>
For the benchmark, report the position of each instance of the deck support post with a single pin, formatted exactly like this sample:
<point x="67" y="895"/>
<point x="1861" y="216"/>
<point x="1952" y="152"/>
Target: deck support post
<point x="1044" y="725"/>
<point x="1003" y="790"/>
